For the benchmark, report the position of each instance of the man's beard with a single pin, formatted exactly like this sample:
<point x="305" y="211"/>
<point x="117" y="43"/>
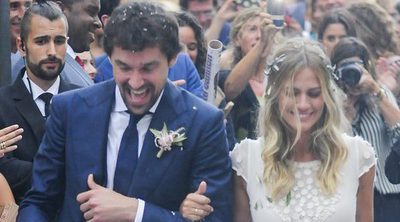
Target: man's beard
<point x="50" y="74"/>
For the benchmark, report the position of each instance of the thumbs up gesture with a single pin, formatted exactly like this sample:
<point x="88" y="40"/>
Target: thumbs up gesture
<point x="196" y="206"/>
<point x="102" y="204"/>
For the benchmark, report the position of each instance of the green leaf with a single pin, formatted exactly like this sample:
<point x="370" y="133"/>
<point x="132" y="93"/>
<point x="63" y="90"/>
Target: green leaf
<point x="288" y="198"/>
<point x="164" y="129"/>
<point x="156" y="133"/>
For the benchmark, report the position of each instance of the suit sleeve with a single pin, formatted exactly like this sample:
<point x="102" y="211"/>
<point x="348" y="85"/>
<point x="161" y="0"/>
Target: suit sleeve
<point x="194" y="84"/>
<point x="43" y="200"/>
<point x="211" y="164"/>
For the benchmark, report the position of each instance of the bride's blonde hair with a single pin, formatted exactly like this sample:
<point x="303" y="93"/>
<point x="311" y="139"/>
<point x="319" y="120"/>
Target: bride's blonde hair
<point x="279" y="138"/>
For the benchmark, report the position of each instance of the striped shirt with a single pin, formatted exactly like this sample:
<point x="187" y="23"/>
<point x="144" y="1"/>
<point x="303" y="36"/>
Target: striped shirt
<point x="370" y="125"/>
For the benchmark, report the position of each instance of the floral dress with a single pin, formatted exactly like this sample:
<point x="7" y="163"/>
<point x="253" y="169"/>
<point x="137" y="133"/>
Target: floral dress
<point x="306" y="202"/>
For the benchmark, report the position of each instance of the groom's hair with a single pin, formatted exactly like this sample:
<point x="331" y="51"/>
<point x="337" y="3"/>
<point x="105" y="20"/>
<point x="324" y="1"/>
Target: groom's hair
<point x="140" y="25"/>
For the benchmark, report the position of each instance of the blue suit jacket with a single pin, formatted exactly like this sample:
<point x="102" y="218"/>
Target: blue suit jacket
<point x="182" y="69"/>
<point x="75" y="145"/>
<point x="72" y="72"/>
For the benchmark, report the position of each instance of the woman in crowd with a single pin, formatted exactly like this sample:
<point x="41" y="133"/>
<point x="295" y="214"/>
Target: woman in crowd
<point x="372" y="110"/>
<point x="88" y="63"/>
<point x="302" y="167"/>
<point x="336" y="24"/>
<point x="192" y="36"/>
<point x="252" y="39"/>
<point x="377" y="30"/>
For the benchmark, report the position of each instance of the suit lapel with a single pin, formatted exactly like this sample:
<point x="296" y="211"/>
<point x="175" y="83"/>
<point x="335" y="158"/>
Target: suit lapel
<point x="96" y="112"/>
<point x="66" y="86"/>
<point x="28" y="108"/>
<point x="150" y="168"/>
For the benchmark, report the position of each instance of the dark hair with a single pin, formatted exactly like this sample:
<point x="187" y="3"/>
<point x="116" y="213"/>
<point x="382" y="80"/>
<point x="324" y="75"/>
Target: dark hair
<point x="67" y="3"/>
<point x="185" y="3"/>
<point x="107" y="7"/>
<point x="350" y="47"/>
<point x="187" y="19"/>
<point x="140" y="25"/>
<point x="49" y="10"/>
<point x="335" y="16"/>
<point x="375" y="28"/>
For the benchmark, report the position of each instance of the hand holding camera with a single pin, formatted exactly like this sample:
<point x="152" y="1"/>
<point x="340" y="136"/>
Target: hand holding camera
<point x="356" y="78"/>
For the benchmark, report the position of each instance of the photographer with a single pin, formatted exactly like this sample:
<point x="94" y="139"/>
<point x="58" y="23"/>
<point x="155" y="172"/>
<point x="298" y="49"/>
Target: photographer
<point x="374" y="116"/>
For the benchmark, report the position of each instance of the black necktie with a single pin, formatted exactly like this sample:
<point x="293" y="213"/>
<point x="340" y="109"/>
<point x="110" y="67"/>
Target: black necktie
<point x="127" y="156"/>
<point x="46" y="97"/>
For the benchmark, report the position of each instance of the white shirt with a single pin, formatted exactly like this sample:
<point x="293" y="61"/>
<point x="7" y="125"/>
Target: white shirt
<point x="36" y="91"/>
<point x="14" y="58"/>
<point x="119" y="121"/>
<point x="71" y="52"/>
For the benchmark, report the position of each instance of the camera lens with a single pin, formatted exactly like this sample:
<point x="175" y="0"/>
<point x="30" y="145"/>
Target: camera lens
<point x="350" y="74"/>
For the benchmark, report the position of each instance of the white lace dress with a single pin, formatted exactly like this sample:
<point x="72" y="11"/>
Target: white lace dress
<point x="306" y="201"/>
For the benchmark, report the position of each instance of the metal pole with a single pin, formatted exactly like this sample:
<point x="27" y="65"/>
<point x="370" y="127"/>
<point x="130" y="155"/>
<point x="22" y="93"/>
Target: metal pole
<point x="5" y="48"/>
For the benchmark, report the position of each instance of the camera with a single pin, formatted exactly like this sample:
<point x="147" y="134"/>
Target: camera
<point x="246" y="3"/>
<point x="276" y="9"/>
<point x="349" y="73"/>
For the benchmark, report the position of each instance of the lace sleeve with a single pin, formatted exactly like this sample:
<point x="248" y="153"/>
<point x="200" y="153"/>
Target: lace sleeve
<point x="366" y="156"/>
<point x="9" y="212"/>
<point x="239" y="157"/>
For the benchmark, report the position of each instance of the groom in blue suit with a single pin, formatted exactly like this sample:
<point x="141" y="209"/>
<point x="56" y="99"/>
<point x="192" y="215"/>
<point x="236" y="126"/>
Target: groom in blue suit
<point x="102" y="158"/>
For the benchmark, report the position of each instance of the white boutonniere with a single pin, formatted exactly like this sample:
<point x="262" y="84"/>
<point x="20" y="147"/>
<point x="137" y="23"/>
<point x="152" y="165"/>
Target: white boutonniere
<point x="165" y="139"/>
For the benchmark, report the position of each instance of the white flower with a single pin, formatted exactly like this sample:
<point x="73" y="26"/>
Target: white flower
<point x="165" y="139"/>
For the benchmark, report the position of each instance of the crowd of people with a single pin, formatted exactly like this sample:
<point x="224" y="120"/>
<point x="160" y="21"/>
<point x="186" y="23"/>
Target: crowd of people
<point x="106" y="117"/>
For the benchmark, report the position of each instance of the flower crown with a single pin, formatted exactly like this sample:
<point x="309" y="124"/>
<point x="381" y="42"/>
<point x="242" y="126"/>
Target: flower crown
<point x="274" y="64"/>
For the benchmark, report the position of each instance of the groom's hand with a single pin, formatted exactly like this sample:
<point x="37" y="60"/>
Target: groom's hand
<point x="102" y="204"/>
<point x="196" y="205"/>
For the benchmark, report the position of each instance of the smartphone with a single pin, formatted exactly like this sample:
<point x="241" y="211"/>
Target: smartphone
<point x="276" y="9"/>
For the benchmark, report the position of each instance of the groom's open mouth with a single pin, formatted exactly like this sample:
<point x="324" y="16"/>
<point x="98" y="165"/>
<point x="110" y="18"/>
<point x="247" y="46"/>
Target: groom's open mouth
<point x="139" y="96"/>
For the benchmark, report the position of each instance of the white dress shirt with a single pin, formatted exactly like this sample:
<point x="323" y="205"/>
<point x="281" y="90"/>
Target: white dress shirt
<point x="119" y="121"/>
<point x="36" y="91"/>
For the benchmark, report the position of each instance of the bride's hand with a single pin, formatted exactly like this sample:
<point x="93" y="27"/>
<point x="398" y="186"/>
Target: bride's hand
<point x="8" y="137"/>
<point x="196" y="206"/>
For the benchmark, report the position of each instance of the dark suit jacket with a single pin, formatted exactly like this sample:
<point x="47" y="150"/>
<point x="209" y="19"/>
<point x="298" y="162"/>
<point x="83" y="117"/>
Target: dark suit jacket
<point x="72" y="72"/>
<point x="18" y="107"/>
<point x="75" y="145"/>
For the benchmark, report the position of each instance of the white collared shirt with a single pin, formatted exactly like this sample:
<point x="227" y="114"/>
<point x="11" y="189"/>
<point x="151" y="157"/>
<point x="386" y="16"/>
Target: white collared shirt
<point x="36" y="91"/>
<point x="119" y="120"/>
<point x="71" y="52"/>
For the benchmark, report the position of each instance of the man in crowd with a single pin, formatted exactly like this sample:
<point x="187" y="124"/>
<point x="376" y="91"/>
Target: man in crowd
<point x="17" y="10"/>
<point x="82" y="21"/>
<point x="215" y="24"/>
<point x="153" y="142"/>
<point x="43" y="45"/>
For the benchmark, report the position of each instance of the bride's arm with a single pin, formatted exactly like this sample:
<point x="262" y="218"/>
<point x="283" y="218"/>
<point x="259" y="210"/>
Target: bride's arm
<point x="365" y="197"/>
<point x="6" y="196"/>
<point x="241" y="207"/>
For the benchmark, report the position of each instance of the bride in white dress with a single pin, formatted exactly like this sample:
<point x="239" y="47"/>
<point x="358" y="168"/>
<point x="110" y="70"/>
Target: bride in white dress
<point x="303" y="167"/>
